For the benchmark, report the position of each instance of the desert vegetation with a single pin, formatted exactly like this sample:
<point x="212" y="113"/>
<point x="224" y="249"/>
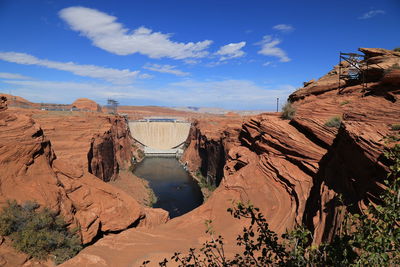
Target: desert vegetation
<point x="334" y="122"/>
<point x="344" y="102"/>
<point x="370" y="238"/>
<point x="395" y="127"/>
<point x="203" y="182"/>
<point x="288" y="111"/>
<point x="39" y="233"/>
<point x="395" y="66"/>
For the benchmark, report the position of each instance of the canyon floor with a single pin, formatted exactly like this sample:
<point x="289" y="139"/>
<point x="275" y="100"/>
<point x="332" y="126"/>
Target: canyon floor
<point x="78" y="164"/>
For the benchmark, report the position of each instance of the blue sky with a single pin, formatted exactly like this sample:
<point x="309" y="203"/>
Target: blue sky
<point x="228" y="54"/>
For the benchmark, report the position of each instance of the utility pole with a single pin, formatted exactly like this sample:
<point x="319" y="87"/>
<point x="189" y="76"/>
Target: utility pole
<point x="277" y="104"/>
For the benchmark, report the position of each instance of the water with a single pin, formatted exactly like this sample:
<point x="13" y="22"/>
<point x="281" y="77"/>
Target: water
<point x="176" y="191"/>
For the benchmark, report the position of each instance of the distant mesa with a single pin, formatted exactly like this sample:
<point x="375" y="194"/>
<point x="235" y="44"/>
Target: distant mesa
<point x="17" y="101"/>
<point x="86" y="104"/>
<point x="81" y="104"/>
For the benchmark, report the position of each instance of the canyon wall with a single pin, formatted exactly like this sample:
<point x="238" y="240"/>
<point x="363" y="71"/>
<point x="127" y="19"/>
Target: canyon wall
<point x="97" y="143"/>
<point x="33" y="170"/>
<point x="293" y="170"/>
<point x="303" y="164"/>
<point x="207" y="146"/>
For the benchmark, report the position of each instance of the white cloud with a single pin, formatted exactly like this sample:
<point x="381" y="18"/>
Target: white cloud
<point x="267" y="63"/>
<point x="13" y="76"/>
<point x="92" y="71"/>
<point x="283" y="27"/>
<point x="228" y="94"/>
<point x="145" y="76"/>
<point x="105" y="33"/>
<point x="165" y="69"/>
<point x="191" y="61"/>
<point x="372" y="13"/>
<point x="232" y="50"/>
<point x="268" y="48"/>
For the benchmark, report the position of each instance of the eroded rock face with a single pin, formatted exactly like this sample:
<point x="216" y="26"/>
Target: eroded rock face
<point x="111" y="150"/>
<point x="208" y="143"/>
<point x="32" y="171"/>
<point x="3" y="103"/>
<point x="292" y="170"/>
<point x="96" y="143"/>
<point x="379" y="61"/>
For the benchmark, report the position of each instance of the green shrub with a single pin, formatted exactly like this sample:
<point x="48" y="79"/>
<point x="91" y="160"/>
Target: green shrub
<point x="334" y="122"/>
<point x="288" y="111"/>
<point x="391" y="138"/>
<point x="395" y="66"/>
<point x="397" y="49"/>
<point x="152" y="199"/>
<point x="38" y="233"/>
<point x="345" y="102"/>
<point x="395" y="127"/>
<point x="203" y="182"/>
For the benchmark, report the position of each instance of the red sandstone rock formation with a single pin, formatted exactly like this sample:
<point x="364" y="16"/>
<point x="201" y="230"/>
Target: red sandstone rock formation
<point x="31" y="170"/>
<point x="293" y="170"/>
<point x="86" y="104"/>
<point x="98" y="143"/>
<point x="18" y="101"/>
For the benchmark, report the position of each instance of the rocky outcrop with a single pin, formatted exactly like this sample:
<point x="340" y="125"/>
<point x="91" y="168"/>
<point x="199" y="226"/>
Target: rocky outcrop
<point x="354" y="168"/>
<point x="111" y="151"/>
<point x="207" y="147"/>
<point x="18" y="101"/>
<point x="300" y="167"/>
<point x="96" y="143"/>
<point x="379" y="61"/>
<point x="392" y="77"/>
<point x="32" y="171"/>
<point x="3" y="103"/>
<point x="86" y="104"/>
<point x="294" y="171"/>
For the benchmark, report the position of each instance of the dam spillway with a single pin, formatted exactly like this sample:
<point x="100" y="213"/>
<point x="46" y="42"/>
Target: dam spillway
<point x="160" y="135"/>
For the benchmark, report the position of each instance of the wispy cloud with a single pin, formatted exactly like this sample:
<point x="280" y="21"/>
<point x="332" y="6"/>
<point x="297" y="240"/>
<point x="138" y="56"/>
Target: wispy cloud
<point x="372" y="13"/>
<point x="145" y="76"/>
<point x="283" y="27"/>
<point x="269" y="48"/>
<point x="165" y="69"/>
<point x="92" y="71"/>
<point x="191" y="61"/>
<point x="232" y="50"/>
<point x="105" y="33"/>
<point x="268" y="63"/>
<point x="16" y="76"/>
<point x="229" y="94"/>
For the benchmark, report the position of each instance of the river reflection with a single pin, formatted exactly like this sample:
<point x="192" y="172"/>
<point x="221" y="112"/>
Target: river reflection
<point x="176" y="191"/>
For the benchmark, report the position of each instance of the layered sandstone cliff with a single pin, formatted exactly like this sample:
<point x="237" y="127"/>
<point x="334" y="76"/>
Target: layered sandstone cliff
<point x="32" y="170"/>
<point x="293" y="170"/>
<point x="98" y="143"/>
<point x="308" y="164"/>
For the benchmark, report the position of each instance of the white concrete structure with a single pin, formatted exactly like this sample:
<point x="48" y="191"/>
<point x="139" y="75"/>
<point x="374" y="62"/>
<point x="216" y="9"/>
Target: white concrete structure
<point x="160" y="135"/>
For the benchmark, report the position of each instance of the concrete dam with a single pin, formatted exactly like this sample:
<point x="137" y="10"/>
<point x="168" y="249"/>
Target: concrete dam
<point x="160" y="136"/>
